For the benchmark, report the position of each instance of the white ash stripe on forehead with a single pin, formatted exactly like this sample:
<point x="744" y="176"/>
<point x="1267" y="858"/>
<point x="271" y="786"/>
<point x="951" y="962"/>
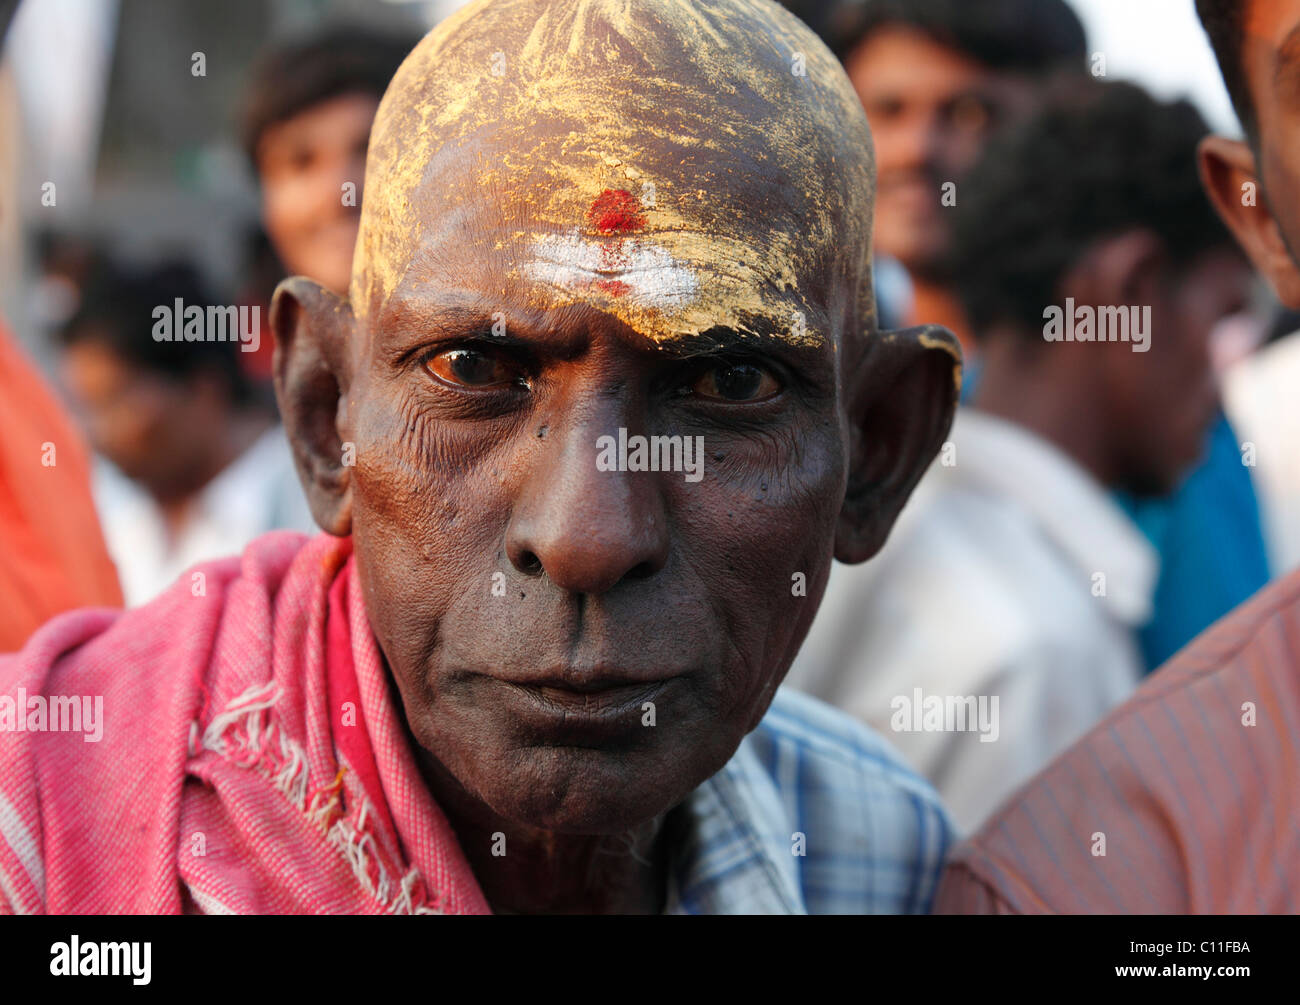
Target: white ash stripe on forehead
<point x="632" y="270"/>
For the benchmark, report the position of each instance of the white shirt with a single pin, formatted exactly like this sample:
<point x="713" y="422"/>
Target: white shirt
<point x="258" y="492"/>
<point x="1261" y="395"/>
<point x="1012" y="575"/>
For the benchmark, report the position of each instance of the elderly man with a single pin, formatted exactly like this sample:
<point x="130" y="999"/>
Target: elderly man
<point x="520" y="674"/>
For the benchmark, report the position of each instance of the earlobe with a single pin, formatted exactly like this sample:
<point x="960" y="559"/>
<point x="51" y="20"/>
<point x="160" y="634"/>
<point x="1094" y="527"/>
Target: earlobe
<point x="312" y="329"/>
<point x="1230" y="176"/>
<point x="901" y="398"/>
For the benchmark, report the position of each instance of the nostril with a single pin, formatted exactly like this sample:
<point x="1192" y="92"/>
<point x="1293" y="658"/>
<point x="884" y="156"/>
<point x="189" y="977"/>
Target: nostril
<point x="529" y="564"/>
<point x="643" y="570"/>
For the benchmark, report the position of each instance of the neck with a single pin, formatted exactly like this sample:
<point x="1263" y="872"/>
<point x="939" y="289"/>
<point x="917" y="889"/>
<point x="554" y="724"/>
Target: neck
<point x="934" y="303"/>
<point x="1048" y="393"/>
<point x="528" y="870"/>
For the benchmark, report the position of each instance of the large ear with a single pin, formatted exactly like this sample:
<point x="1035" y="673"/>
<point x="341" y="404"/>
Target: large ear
<point x="900" y="396"/>
<point x="313" y="329"/>
<point x="1231" y="177"/>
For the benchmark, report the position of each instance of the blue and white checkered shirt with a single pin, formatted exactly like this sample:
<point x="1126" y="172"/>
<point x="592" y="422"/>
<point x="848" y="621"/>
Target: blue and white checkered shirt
<point x="814" y="814"/>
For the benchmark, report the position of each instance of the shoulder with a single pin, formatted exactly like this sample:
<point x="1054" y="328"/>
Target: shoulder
<point x="832" y="741"/>
<point x="875" y="832"/>
<point x="154" y="639"/>
<point x="103" y="700"/>
<point x="1173" y="802"/>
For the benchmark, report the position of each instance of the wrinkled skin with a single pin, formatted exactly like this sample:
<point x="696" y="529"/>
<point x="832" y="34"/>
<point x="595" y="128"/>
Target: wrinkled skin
<point x="475" y="455"/>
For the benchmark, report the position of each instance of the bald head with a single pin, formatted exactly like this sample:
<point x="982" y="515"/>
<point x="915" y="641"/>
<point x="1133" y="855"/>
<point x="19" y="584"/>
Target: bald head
<point x="685" y="167"/>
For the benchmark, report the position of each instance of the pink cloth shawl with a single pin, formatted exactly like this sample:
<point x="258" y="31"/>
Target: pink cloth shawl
<point x="254" y="756"/>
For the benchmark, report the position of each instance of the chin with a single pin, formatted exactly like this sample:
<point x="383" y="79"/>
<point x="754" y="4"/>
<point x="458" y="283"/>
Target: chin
<point x="576" y="790"/>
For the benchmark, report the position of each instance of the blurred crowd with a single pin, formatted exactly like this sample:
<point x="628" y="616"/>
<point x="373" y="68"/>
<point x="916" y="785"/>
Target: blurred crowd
<point x="1096" y="506"/>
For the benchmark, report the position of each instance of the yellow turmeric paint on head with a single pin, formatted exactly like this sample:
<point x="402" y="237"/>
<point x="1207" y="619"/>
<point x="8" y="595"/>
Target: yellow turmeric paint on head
<point x="682" y="166"/>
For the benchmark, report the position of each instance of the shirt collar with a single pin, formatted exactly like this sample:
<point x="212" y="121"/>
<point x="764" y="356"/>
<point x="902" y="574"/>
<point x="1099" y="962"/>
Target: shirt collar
<point x="1074" y="510"/>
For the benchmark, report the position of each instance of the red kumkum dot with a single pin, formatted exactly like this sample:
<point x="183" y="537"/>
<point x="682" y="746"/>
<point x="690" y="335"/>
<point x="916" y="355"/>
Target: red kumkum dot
<point x="613" y="287"/>
<point x="616" y="211"/>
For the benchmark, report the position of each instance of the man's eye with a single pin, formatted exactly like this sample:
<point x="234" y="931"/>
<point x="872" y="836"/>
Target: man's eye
<point x="883" y="109"/>
<point x="741" y="382"/>
<point x="474" y="368"/>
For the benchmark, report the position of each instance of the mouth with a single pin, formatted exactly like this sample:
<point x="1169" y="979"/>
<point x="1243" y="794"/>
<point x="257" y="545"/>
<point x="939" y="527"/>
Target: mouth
<point x="594" y="710"/>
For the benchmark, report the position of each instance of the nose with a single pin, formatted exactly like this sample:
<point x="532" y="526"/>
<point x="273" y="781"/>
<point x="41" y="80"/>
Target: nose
<point x="915" y="140"/>
<point x="586" y="529"/>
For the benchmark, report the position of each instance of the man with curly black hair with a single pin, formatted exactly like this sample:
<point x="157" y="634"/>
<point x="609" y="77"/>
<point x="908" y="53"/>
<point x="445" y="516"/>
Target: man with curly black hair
<point x="1183" y="800"/>
<point x="1094" y="269"/>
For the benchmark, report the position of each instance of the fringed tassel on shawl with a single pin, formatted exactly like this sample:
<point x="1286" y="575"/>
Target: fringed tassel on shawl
<point x="246" y="734"/>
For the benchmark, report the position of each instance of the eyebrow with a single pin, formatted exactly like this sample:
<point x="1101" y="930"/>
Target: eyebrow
<point x="409" y="325"/>
<point x="721" y="341"/>
<point x="466" y="315"/>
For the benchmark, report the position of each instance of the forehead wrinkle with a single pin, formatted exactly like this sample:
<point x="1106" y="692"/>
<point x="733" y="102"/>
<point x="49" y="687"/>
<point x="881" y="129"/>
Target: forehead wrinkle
<point x="723" y="110"/>
<point x="486" y="214"/>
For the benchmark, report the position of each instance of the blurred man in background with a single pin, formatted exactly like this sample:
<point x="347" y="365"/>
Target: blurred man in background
<point x="1014" y="575"/>
<point x="1184" y="799"/>
<point x="306" y="123"/>
<point x="200" y="467"/>
<point x="199" y="464"/>
<point x="937" y="79"/>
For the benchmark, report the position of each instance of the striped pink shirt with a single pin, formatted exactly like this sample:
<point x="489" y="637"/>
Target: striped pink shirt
<point x="1185" y="799"/>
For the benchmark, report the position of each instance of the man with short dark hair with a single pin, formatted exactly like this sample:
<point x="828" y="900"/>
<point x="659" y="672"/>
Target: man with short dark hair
<point x="1013" y="578"/>
<point x="195" y="465"/>
<point x="1183" y="800"/>
<point x="305" y="125"/>
<point x="938" y="78"/>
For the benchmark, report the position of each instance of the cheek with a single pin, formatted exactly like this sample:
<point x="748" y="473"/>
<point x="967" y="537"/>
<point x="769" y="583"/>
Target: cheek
<point x="288" y="207"/>
<point x="429" y="482"/>
<point x="888" y="139"/>
<point x="427" y="513"/>
<point x="760" y="528"/>
<point x="1281" y="175"/>
<point x="958" y="153"/>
